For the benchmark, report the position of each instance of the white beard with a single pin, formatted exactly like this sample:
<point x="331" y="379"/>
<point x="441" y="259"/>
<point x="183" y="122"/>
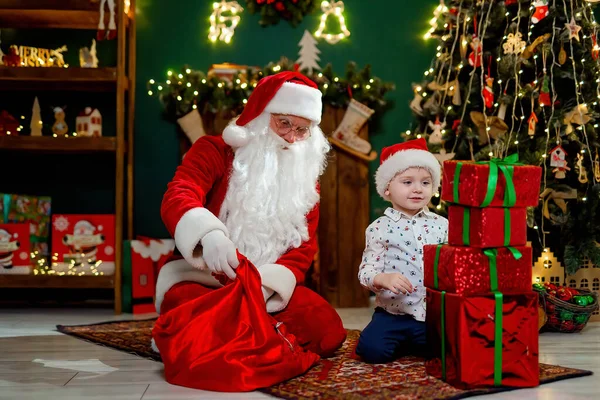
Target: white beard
<point x="271" y="189"/>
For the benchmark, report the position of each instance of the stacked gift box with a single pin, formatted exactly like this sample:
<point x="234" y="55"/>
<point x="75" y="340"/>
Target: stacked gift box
<point x="482" y="315"/>
<point x="80" y="243"/>
<point x="25" y="223"/>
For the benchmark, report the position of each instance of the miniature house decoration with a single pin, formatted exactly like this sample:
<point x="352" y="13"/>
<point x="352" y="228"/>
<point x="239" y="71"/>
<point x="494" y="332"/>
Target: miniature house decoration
<point x="89" y="123"/>
<point x="548" y="269"/>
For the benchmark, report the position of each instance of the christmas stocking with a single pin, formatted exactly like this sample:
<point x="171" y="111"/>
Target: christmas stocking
<point x="191" y="124"/>
<point x="541" y="11"/>
<point x="354" y="119"/>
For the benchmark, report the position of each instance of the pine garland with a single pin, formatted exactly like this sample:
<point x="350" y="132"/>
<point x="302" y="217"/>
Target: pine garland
<point x="272" y="11"/>
<point x="192" y="89"/>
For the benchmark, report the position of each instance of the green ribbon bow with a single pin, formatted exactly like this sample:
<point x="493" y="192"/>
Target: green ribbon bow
<point x="506" y="166"/>
<point x="492" y="255"/>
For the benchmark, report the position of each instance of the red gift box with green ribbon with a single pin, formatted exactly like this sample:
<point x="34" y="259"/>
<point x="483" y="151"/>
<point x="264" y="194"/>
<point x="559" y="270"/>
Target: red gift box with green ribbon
<point x="495" y="183"/>
<point x="471" y="271"/>
<point x="487" y="227"/>
<point x="483" y="341"/>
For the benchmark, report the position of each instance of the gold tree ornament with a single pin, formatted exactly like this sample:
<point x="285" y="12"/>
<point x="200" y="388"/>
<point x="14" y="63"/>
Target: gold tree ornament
<point x="581" y="169"/>
<point x="596" y="168"/>
<point x="557" y="198"/>
<point x="219" y="28"/>
<point x="514" y="44"/>
<point x="578" y="115"/>
<point x="529" y="50"/>
<point x="488" y="127"/>
<point x="562" y="54"/>
<point x="335" y="9"/>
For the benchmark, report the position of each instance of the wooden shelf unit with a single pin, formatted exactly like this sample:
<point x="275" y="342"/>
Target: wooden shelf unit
<point x="57" y="282"/>
<point x="54" y="14"/>
<point x="54" y="78"/>
<point x="48" y="144"/>
<point x="79" y="14"/>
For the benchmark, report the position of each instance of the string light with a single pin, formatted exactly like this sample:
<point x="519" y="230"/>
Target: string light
<point x="336" y="9"/>
<point x="218" y="22"/>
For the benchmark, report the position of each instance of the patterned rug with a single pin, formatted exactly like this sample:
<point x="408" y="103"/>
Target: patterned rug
<point x="333" y="378"/>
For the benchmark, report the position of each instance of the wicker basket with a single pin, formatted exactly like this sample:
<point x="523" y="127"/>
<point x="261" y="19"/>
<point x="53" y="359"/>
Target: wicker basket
<point x="566" y="317"/>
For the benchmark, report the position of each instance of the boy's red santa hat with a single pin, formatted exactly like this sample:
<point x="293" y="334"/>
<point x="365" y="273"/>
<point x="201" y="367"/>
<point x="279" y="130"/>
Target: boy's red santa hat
<point x="402" y="156"/>
<point x="287" y="92"/>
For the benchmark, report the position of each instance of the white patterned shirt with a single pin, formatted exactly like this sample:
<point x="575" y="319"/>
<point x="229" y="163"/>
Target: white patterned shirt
<point x="394" y="243"/>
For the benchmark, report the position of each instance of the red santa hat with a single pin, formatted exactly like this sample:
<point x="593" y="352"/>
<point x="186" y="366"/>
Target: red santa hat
<point x="399" y="157"/>
<point x="287" y="92"/>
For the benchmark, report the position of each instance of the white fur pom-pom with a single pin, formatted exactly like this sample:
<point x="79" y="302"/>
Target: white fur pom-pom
<point x="236" y="136"/>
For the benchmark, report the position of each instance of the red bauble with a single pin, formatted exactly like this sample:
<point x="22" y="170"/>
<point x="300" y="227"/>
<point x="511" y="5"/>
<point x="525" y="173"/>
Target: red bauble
<point x="568" y="325"/>
<point x="553" y="320"/>
<point x="564" y="294"/>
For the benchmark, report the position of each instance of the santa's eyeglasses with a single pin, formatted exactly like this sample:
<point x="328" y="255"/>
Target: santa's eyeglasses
<point x="285" y="126"/>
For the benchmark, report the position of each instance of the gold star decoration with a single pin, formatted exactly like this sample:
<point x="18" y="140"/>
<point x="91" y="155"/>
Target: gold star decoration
<point x="573" y="29"/>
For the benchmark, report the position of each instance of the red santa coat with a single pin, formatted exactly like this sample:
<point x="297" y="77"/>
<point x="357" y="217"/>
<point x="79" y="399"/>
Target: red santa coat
<point x="190" y="210"/>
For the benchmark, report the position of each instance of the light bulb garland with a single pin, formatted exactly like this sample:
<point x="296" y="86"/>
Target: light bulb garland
<point x="208" y="93"/>
<point x="222" y="26"/>
<point x="334" y="9"/>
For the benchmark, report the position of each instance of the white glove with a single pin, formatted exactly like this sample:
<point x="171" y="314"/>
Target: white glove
<point x="219" y="253"/>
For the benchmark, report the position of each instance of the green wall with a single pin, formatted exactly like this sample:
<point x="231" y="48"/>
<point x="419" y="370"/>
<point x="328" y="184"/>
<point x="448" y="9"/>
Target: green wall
<point x="385" y="34"/>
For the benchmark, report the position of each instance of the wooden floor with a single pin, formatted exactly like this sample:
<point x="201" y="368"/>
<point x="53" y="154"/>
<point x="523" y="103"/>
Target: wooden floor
<point x="37" y="362"/>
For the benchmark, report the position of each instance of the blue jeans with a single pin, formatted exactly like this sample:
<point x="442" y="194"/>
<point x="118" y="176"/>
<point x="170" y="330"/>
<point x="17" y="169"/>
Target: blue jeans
<point x="389" y="337"/>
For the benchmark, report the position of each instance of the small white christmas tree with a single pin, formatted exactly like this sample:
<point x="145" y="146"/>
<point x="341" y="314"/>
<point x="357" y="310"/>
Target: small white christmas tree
<point x="36" y="119"/>
<point x="309" y="53"/>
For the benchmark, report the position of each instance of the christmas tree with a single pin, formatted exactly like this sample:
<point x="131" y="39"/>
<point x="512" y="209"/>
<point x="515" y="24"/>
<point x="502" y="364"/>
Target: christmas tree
<point x="521" y="76"/>
<point x="309" y="54"/>
<point x="36" y="119"/>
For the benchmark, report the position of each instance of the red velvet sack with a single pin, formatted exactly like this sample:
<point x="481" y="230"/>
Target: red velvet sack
<point x="226" y="341"/>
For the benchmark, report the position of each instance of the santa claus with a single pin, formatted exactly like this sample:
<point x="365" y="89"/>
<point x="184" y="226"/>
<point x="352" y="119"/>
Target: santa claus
<point x="255" y="190"/>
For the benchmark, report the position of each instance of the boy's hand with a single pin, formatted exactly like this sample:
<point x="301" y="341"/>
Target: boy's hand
<point x="395" y="282"/>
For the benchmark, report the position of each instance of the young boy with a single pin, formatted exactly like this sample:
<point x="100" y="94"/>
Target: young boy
<point x="392" y="264"/>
